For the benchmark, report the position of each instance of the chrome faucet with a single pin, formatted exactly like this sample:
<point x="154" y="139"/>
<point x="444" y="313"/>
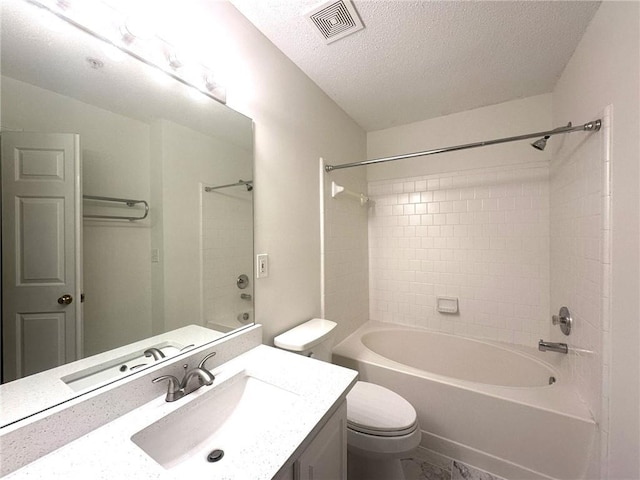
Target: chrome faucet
<point x="178" y="389"/>
<point x="553" y="347"/>
<point x="204" y="376"/>
<point x="154" y="352"/>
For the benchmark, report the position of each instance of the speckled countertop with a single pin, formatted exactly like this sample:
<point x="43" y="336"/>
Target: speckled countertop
<point x="23" y="397"/>
<point x="108" y="452"/>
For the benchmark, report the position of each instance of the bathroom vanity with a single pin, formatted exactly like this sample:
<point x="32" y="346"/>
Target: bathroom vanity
<point x="269" y="414"/>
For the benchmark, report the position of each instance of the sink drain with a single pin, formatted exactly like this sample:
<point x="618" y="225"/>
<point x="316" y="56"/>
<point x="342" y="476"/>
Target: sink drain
<point x="215" y="456"/>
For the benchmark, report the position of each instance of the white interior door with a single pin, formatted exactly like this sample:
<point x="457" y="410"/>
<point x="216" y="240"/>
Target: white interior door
<point x="41" y="254"/>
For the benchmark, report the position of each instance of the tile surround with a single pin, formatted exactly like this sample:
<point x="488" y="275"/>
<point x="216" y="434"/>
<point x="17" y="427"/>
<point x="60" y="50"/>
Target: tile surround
<point x="480" y="235"/>
<point x="580" y="198"/>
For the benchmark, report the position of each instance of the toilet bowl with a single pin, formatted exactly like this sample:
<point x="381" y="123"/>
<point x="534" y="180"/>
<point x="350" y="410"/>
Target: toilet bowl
<point x="382" y="427"/>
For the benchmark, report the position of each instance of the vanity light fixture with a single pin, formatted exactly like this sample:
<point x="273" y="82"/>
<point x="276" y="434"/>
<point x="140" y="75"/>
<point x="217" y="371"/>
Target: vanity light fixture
<point x="136" y="37"/>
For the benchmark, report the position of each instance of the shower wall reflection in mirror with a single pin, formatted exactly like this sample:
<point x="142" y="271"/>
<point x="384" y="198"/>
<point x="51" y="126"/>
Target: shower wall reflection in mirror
<point x="94" y="287"/>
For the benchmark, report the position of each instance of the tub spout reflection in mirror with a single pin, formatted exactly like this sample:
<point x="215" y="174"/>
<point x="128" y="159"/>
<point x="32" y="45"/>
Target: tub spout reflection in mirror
<point x="154" y="352"/>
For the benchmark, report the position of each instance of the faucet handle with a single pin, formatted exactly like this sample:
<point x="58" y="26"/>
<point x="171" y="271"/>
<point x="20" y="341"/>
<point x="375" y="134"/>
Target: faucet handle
<point x="210" y="376"/>
<point x="204" y="360"/>
<point x="174" y="390"/>
<point x="563" y="319"/>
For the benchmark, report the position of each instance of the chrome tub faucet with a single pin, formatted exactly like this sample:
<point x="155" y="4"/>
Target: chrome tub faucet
<point x="178" y="389"/>
<point x="552" y="347"/>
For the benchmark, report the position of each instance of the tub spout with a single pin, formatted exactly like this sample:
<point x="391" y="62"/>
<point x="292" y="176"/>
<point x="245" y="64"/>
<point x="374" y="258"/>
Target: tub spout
<point x="553" y="347"/>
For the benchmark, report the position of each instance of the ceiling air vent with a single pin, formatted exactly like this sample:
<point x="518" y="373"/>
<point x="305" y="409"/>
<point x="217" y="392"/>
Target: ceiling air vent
<point x="335" y="20"/>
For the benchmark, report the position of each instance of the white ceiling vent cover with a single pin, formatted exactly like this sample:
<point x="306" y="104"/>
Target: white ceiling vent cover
<point x="335" y="20"/>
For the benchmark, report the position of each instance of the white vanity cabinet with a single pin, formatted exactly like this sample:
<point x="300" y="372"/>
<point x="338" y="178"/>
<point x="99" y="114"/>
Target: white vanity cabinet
<point x="325" y="457"/>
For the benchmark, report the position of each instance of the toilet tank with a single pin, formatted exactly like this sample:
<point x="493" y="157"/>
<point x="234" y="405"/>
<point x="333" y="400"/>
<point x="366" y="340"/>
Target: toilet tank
<point x="314" y="339"/>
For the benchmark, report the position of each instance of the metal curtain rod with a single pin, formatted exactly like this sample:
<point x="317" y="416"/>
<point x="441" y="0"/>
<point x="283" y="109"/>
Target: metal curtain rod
<point x="248" y="183"/>
<point x="127" y="201"/>
<point x="592" y="126"/>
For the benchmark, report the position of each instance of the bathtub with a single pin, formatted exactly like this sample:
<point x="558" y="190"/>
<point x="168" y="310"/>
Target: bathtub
<point x="502" y="408"/>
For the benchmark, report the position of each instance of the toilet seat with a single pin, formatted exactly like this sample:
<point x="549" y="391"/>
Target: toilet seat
<point x="377" y="411"/>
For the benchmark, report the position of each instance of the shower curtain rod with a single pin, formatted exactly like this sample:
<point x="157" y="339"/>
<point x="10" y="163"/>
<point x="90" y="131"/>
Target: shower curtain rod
<point x="592" y="126"/>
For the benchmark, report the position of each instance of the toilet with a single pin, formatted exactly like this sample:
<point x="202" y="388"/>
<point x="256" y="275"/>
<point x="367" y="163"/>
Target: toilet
<point x="382" y="427"/>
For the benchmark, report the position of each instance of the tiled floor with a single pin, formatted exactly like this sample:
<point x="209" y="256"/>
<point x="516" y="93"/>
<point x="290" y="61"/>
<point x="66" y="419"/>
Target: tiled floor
<point x="426" y="465"/>
<point x="415" y="469"/>
<point x="460" y="471"/>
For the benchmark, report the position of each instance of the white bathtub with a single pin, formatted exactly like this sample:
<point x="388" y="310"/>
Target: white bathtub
<point x="485" y="403"/>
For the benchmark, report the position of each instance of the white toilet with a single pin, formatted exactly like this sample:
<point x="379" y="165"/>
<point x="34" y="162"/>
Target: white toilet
<point x="382" y="427"/>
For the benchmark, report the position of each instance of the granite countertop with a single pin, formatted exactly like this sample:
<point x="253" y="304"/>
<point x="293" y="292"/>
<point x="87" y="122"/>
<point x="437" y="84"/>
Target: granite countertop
<point x="108" y="452"/>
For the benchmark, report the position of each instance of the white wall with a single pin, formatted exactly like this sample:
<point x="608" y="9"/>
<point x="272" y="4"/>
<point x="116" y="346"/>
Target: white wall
<point x="471" y="224"/>
<point x="295" y="124"/>
<point x="345" y="252"/>
<point x="117" y="307"/>
<point x="604" y="70"/>
<point x="496" y="121"/>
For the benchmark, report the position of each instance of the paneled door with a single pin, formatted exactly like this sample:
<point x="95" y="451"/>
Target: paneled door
<point x="41" y="252"/>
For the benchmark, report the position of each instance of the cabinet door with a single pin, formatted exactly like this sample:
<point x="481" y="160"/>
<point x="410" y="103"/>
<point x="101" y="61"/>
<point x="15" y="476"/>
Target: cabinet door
<point x="326" y="456"/>
<point x="285" y="475"/>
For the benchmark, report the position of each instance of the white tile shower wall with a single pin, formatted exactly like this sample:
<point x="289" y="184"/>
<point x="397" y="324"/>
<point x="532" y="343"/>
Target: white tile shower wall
<point x="345" y="253"/>
<point x="227" y="243"/>
<point x="479" y="235"/>
<point x="576" y="199"/>
<point x="580" y="202"/>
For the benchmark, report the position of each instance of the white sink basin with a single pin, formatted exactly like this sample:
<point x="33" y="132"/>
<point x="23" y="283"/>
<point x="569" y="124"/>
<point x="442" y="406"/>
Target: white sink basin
<point x="229" y="417"/>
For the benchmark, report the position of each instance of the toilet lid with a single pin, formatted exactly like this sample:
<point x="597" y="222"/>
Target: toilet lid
<point x="375" y="410"/>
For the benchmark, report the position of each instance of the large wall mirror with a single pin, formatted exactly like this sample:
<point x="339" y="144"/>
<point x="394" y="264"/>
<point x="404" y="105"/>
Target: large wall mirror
<point x="127" y="214"/>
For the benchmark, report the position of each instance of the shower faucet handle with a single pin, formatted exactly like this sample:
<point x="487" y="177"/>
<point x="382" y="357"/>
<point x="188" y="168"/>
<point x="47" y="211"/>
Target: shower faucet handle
<point x="563" y="319"/>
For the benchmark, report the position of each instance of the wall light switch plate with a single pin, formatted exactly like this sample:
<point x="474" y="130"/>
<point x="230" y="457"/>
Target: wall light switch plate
<point x="262" y="265"/>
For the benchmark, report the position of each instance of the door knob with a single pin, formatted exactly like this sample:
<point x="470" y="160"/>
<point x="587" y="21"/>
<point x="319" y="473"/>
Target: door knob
<point x="242" y="281"/>
<point x="65" y="299"/>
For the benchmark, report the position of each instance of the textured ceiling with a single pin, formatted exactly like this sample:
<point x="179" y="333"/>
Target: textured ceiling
<point x="422" y="59"/>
